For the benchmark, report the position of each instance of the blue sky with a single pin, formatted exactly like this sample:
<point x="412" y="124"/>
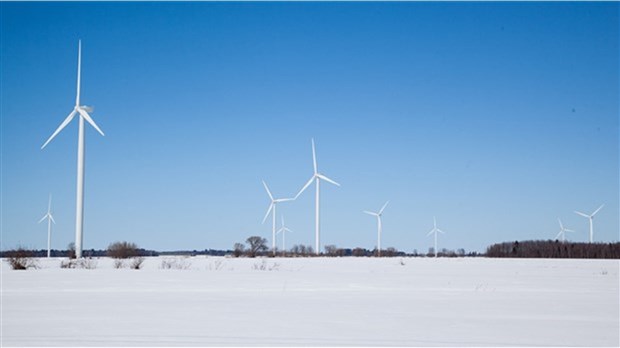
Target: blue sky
<point x="497" y="118"/>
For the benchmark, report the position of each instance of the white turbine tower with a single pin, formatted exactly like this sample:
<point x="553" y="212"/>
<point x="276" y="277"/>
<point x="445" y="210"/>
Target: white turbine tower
<point x="283" y="230"/>
<point x="317" y="177"/>
<point x="562" y="231"/>
<point x="378" y="215"/>
<point x="272" y="208"/>
<point x="590" y="217"/>
<point x="435" y="230"/>
<point x="50" y="219"/>
<point x="82" y="111"/>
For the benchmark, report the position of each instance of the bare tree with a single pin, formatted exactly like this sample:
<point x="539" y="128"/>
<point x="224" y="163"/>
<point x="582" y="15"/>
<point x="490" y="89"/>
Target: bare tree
<point x="238" y="249"/>
<point x="331" y="250"/>
<point x="123" y="250"/>
<point x="257" y="245"/>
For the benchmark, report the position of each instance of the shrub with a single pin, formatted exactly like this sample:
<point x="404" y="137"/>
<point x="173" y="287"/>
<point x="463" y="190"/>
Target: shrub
<point x="21" y="259"/>
<point x="263" y="266"/>
<point x="119" y="263"/>
<point x="136" y="262"/>
<point x="123" y="250"/>
<point x="175" y="263"/>
<point x="79" y="263"/>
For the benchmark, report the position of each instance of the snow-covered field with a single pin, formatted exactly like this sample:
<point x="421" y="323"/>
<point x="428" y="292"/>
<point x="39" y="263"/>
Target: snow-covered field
<point x="315" y="302"/>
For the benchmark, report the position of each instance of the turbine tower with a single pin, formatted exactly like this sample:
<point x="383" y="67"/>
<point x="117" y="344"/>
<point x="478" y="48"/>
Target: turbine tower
<point x="272" y="209"/>
<point x="562" y="231"/>
<point x="435" y="230"/>
<point x="378" y="215"/>
<point x="590" y="217"/>
<point x="317" y="177"/>
<point x="82" y="112"/>
<point x="283" y="230"/>
<point x="50" y="219"/>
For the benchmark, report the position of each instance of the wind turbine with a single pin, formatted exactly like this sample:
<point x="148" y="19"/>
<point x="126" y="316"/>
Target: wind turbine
<point x="82" y="111"/>
<point x="562" y="231"/>
<point x="272" y="208"/>
<point x="317" y="177"/>
<point x="378" y="215"/>
<point x="435" y="230"/>
<point x="283" y="230"/>
<point x="50" y="219"/>
<point x="590" y="217"/>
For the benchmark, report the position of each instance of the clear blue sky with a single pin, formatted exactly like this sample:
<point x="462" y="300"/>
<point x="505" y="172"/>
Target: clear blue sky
<point x="497" y="118"/>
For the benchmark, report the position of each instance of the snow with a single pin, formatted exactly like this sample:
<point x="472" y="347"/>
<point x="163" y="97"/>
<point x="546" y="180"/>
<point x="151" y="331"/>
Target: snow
<point x="315" y="302"/>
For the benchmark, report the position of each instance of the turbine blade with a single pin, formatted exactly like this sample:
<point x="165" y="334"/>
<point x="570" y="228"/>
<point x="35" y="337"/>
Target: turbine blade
<point x="43" y="218"/>
<point x="283" y="200"/>
<point x="440" y="231"/>
<point x="385" y="205"/>
<point x="582" y="214"/>
<point x="51" y="217"/>
<point x="49" y="204"/>
<point x="305" y="186"/>
<point x="314" y="157"/>
<point x="371" y="213"/>
<point x="567" y="230"/>
<point x="268" y="211"/>
<point x="560" y="221"/>
<point x="286" y="229"/>
<point x="431" y="232"/>
<point x="558" y="235"/>
<point x="89" y="120"/>
<point x="599" y="208"/>
<point x="77" y="96"/>
<point x="321" y="176"/>
<point x="267" y="189"/>
<point x="61" y="127"/>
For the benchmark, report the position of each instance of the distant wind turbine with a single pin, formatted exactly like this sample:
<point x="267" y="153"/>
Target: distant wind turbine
<point x="283" y="230"/>
<point x="317" y="177"/>
<point x="50" y="219"/>
<point x="562" y="231"/>
<point x="435" y="230"/>
<point x="378" y="215"/>
<point x="82" y="111"/>
<point x="590" y="217"/>
<point x="272" y="209"/>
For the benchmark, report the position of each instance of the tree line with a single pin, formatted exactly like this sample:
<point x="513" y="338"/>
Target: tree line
<point x="554" y="249"/>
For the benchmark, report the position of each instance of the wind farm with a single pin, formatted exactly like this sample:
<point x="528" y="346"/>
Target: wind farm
<point x="495" y="128"/>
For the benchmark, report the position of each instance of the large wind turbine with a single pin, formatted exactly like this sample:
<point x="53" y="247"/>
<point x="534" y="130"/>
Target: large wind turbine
<point x="590" y="217"/>
<point x="435" y="230"/>
<point x="378" y="215"/>
<point x="283" y="230"/>
<point x="317" y="177"/>
<point x="50" y="219"/>
<point x="82" y="111"/>
<point x="272" y="209"/>
<point x="562" y="231"/>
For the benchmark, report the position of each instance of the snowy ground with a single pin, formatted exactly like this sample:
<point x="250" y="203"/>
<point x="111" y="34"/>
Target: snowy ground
<point x="315" y="302"/>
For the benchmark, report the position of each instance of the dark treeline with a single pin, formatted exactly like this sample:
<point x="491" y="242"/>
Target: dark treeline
<point x="554" y="249"/>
